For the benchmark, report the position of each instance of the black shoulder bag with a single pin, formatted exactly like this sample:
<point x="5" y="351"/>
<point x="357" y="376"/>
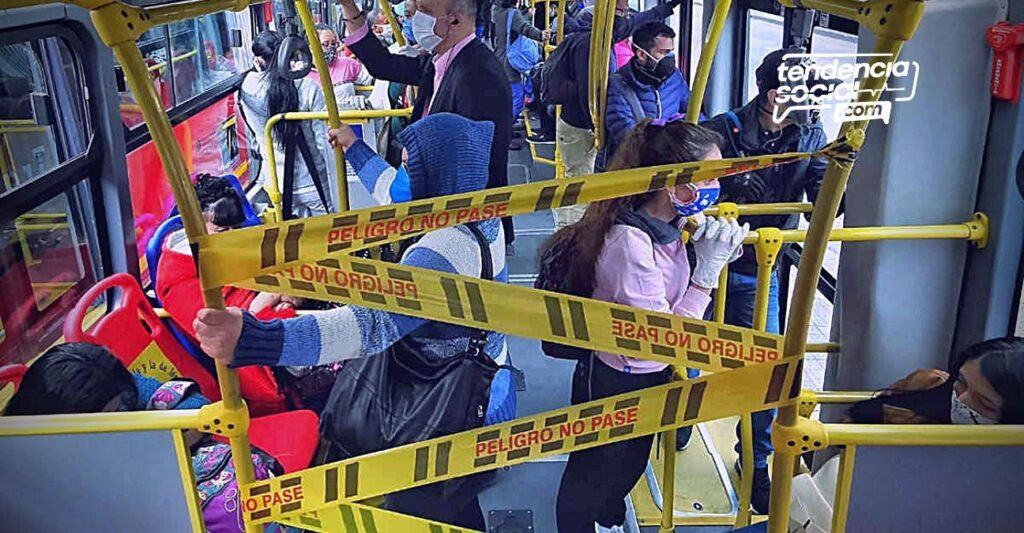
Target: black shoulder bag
<point x="401" y="396"/>
<point x="300" y="142"/>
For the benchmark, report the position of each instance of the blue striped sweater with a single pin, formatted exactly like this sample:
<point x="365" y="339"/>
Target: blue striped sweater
<point x="353" y="331"/>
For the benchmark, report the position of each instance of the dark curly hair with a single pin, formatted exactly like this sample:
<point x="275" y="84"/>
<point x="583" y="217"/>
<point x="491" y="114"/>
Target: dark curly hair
<point x="76" y="377"/>
<point x="219" y="201"/>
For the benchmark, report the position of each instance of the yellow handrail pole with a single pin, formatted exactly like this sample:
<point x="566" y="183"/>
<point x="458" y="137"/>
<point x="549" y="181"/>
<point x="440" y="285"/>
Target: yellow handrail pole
<point x="725" y="210"/>
<point x="767" y="247"/>
<point x="844" y="486"/>
<point x="668" y="485"/>
<point x="903" y="21"/>
<point x="561" y="21"/>
<point x="164" y="14"/>
<point x="923" y="435"/>
<point x="317" y="51"/>
<point x="396" y="29"/>
<point x="130" y="58"/>
<point x="823" y="347"/>
<point x="15" y="426"/>
<point x="600" y="54"/>
<point x="270" y="184"/>
<point x="707" y="55"/>
<point x="782" y="208"/>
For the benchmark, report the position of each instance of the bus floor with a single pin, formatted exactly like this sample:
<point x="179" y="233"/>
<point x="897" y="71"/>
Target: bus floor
<point x="525" y="495"/>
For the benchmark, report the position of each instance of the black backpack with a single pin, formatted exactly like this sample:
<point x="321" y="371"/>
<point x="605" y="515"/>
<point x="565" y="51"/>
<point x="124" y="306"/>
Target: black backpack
<point x="552" y="275"/>
<point x="555" y="79"/>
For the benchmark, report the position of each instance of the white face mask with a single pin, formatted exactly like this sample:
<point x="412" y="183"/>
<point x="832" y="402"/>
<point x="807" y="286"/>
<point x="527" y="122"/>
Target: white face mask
<point x="423" y="30"/>
<point x="961" y="413"/>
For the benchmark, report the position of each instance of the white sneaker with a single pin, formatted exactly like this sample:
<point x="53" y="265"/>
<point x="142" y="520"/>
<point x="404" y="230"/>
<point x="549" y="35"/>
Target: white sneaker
<point x="598" y="528"/>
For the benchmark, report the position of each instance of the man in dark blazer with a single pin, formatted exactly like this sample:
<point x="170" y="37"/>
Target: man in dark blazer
<point x="459" y="76"/>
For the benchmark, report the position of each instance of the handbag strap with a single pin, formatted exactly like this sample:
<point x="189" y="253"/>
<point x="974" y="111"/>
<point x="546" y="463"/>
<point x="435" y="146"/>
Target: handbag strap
<point x="478" y="340"/>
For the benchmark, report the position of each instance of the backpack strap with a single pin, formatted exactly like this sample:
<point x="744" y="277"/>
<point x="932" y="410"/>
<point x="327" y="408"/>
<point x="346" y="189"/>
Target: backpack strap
<point x="171" y="393"/>
<point x="734" y="129"/>
<point x="634" y="101"/>
<point x="508" y="29"/>
<point x="479" y="338"/>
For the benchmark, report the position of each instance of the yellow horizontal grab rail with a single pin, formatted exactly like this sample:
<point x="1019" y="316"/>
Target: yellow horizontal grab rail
<point x="271" y="186"/>
<point x="11" y="426"/>
<point x="175" y="59"/>
<point x="823" y="347"/>
<point x="834" y="397"/>
<point x="975" y="231"/>
<point x="782" y="208"/>
<point x="923" y="435"/>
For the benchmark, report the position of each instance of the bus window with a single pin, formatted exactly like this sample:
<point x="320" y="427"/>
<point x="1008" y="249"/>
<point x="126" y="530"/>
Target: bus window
<point x="48" y="250"/>
<point x="764" y="35"/>
<point x="826" y="41"/>
<point x="39" y="128"/>
<point x="203" y="55"/>
<point x="153" y="45"/>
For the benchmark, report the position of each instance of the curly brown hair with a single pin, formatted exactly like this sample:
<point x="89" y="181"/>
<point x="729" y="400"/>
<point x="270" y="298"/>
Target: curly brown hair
<point x="645" y="146"/>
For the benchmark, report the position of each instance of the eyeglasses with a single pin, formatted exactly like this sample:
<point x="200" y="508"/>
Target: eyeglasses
<point x="661" y="122"/>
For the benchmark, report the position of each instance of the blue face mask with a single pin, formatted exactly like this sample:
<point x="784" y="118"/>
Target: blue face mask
<point x="703" y="198"/>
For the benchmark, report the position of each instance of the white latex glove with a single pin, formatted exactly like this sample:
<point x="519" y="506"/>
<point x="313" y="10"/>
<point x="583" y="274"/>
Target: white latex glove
<point x="714" y="243"/>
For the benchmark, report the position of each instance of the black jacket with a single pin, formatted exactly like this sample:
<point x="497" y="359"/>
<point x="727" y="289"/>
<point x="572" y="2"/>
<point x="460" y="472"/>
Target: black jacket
<point x="785" y="183"/>
<point x="475" y="87"/>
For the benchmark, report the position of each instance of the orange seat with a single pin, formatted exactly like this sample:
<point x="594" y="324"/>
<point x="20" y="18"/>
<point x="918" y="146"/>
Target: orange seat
<point x="135" y="335"/>
<point x="290" y="437"/>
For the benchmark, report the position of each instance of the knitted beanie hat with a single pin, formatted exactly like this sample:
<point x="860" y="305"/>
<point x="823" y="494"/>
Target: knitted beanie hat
<point x="448" y="154"/>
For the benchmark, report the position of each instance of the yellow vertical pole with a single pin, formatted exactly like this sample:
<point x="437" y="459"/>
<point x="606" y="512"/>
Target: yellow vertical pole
<point x="768" y="245"/>
<point x="396" y="29"/>
<point x="668" y="485"/>
<point x="707" y="55"/>
<point x="137" y="76"/>
<point x="317" y="51"/>
<point x="725" y="210"/>
<point x="561" y="22"/>
<point x="600" y="52"/>
<point x="824" y="214"/>
<point x="844" y="485"/>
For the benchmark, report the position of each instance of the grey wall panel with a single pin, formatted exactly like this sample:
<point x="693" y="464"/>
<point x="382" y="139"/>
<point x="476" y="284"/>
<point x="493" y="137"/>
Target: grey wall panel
<point x="936" y="489"/>
<point x="92" y="482"/>
<point x="899" y="299"/>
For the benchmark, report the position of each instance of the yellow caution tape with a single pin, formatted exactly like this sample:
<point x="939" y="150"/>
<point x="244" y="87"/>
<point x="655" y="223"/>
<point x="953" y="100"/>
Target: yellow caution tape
<point x="526" y="312"/>
<point x="230" y="257"/>
<point x="578" y="427"/>
<point x="352" y="518"/>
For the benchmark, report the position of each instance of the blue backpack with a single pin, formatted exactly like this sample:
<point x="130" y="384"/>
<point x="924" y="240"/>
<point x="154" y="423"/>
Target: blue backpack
<point x="523" y="54"/>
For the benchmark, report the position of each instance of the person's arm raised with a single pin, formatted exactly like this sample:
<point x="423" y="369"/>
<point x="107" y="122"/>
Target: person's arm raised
<point x="380" y="63"/>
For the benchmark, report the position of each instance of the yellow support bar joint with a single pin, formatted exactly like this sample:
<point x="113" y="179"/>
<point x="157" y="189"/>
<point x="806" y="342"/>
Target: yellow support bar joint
<point x="895" y="19"/>
<point x="218" y="419"/>
<point x="805" y="435"/>
<point x="768" y="245"/>
<point x="978" y="228"/>
<point x="806" y="403"/>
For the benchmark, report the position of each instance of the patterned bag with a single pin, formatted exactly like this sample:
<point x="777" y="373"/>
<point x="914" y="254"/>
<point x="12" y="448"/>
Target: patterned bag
<point x="218" y="489"/>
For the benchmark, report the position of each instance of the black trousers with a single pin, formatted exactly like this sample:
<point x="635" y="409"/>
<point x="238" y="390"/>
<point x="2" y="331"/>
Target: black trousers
<point x="596" y="481"/>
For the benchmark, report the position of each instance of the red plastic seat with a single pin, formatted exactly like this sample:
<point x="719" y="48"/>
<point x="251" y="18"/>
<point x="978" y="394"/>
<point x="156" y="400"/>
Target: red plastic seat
<point x="135" y="335"/>
<point x="290" y="437"/>
<point x="12" y="374"/>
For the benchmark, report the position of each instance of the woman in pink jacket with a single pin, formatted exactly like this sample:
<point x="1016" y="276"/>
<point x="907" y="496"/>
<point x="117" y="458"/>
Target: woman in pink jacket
<point x="628" y="251"/>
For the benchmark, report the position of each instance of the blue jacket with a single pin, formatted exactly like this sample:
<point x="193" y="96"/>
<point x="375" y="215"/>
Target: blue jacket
<point x="671" y="97"/>
<point x="577" y="112"/>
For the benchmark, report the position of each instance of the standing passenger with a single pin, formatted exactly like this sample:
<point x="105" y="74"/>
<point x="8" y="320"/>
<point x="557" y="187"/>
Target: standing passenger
<point x="628" y="251"/>
<point x="447" y="154"/>
<point x="343" y="69"/>
<point x="752" y="131"/>
<point x="460" y="76"/>
<point x="265" y="93"/>
<point x="520" y="29"/>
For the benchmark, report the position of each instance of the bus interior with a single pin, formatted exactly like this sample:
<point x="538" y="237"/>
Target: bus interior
<point x="926" y="259"/>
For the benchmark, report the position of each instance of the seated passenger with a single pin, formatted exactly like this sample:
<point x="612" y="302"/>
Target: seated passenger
<point x="180" y="292"/>
<point x="447" y="154"/>
<point x="984" y="385"/>
<point x="86" y="378"/>
<point x="628" y="251"/>
<point x="177" y="281"/>
<point x="264" y="93"/>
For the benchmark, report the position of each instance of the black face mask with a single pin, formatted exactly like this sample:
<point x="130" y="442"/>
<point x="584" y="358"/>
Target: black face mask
<point x="657" y="74"/>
